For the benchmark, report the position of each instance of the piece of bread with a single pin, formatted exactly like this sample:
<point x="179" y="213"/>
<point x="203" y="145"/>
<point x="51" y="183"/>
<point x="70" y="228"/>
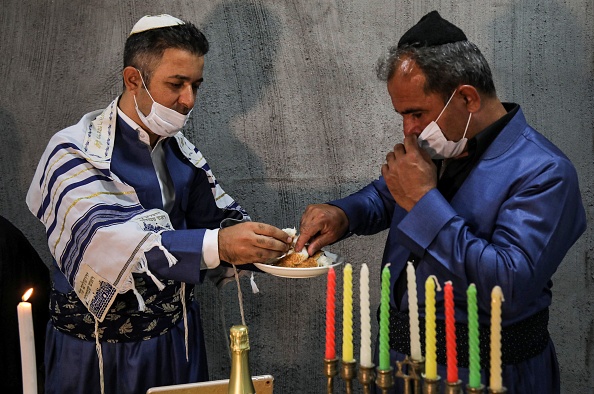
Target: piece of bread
<point x="295" y="260"/>
<point x="300" y="259"/>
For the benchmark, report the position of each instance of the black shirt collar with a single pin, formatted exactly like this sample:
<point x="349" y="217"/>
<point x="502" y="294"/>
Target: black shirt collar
<point x="457" y="170"/>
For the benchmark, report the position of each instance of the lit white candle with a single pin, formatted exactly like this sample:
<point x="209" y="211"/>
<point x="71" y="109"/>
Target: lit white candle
<point x="365" y="318"/>
<point x="413" y="313"/>
<point x="28" y="363"/>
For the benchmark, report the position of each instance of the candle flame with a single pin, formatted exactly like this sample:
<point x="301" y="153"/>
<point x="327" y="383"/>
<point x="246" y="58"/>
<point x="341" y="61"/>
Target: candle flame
<point x="27" y="294"/>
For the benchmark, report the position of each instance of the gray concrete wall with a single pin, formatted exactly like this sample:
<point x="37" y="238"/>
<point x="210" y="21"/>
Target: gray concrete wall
<point x="291" y="113"/>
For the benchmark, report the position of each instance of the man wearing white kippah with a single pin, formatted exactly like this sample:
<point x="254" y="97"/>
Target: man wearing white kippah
<point x="133" y="213"/>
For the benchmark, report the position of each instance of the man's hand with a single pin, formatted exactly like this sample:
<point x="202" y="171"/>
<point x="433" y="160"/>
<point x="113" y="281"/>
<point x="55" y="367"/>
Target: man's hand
<point x="252" y="242"/>
<point x="321" y="225"/>
<point x="409" y="173"/>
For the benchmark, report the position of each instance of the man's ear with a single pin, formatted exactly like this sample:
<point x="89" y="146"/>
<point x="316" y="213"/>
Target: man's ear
<point x="132" y="79"/>
<point x="471" y="97"/>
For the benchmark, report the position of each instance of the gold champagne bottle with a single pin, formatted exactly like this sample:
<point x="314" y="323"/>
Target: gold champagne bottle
<point x="240" y="381"/>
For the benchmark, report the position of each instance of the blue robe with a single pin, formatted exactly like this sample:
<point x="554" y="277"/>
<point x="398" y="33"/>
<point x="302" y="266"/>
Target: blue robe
<point x="510" y="224"/>
<point x="134" y="364"/>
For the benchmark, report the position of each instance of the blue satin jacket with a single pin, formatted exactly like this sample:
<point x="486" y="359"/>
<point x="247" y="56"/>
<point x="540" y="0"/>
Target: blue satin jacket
<point x="510" y="224"/>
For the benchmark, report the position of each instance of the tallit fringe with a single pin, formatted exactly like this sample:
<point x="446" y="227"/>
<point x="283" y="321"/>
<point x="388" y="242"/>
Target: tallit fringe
<point x="255" y="289"/>
<point x="183" y="300"/>
<point x="100" y="356"/>
<point x="143" y="263"/>
<point x="141" y="305"/>
<point x="157" y="242"/>
<point x="143" y="268"/>
<point x="239" y="295"/>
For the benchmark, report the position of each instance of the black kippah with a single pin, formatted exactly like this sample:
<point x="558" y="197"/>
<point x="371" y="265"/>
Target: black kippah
<point x="432" y="30"/>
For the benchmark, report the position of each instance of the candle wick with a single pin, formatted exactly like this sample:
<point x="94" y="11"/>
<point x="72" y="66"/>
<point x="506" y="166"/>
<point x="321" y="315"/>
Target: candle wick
<point x="438" y="288"/>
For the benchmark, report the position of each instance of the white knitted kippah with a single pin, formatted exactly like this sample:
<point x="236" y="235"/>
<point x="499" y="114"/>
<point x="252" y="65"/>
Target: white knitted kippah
<point x="150" y="22"/>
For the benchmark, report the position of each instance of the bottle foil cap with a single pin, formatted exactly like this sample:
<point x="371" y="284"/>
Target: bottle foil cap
<point x="239" y="338"/>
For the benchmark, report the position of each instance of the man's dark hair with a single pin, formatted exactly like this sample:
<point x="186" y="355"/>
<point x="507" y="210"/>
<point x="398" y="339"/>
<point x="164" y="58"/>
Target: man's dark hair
<point x="144" y="50"/>
<point x="445" y="67"/>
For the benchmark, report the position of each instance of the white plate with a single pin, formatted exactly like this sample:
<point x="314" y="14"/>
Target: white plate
<point x="286" y="272"/>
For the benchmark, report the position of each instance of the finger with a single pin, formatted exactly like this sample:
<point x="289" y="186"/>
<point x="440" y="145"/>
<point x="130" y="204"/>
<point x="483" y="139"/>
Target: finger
<point x="385" y="170"/>
<point x="269" y="254"/>
<point x="258" y="256"/>
<point x="303" y="238"/>
<point x="411" y="143"/>
<point x="399" y="149"/>
<point x="389" y="156"/>
<point x="317" y="243"/>
<point x="274" y="232"/>
<point x="269" y="243"/>
<point x="308" y="228"/>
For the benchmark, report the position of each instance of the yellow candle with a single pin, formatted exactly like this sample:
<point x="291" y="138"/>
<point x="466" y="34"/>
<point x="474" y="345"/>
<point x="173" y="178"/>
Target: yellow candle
<point x="28" y="362"/>
<point x="430" y="337"/>
<point x="347" y="314"/>
<point x="495" y="383"/>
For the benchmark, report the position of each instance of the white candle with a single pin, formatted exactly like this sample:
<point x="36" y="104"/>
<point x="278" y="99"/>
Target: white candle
<point x="365" y="318"/>
<point x="28" y="363"/>
<point x="413" y="313"/>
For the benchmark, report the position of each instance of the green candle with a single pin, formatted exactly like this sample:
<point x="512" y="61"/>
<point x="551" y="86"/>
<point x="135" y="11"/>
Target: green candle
<point x="384" y="352"/>
<point x="473" y="339"/>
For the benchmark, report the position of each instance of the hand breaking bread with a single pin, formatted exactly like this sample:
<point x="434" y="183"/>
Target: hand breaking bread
<point x="301" y="259"/>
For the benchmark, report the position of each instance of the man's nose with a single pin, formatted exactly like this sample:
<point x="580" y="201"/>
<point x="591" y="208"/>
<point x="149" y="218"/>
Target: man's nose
<point x="187" y="97"/>
<point x="410" y="126"/>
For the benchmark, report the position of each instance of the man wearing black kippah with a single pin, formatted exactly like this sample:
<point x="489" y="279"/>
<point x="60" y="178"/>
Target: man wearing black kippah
<point x="472" y="195"/>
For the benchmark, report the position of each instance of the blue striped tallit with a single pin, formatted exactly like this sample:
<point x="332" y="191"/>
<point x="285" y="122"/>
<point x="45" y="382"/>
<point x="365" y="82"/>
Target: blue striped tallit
<point x="97" y="230"/>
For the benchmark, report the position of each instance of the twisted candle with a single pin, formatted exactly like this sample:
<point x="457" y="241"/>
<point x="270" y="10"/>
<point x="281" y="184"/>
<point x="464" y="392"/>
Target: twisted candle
<point x="450" y="321"/>
<point x="495" y="383"/>
<point x="413" y="313"/>
<point x="330" y="298"/>
<point x="430" y="339"/>
<point x="365" y="318"/>
<point x="384" y="351"/>
<point x="347" y="314"/>
<point x="474" y="367"/>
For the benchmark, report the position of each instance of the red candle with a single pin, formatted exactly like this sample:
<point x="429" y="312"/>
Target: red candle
<point x="330" y="297"/>
<point x="450" y="333"/>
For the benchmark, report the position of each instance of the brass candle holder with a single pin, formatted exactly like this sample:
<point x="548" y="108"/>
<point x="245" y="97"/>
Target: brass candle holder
<point x="418" y="367"/>
<point x="330" y="371"/>
<point x="384" y="379"/>
<point x="410" y="371"/>
<point x="431" y="386"/>
<point x="348" y="371"/>
<point x="453" y="387"/>
<point x="502" y="390"/>
<point x="366" y="377"/>
<point x="475" y="390"/>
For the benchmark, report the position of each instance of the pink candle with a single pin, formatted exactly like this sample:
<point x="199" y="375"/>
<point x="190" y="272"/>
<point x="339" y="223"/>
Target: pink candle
<point x="452" y="371"/>
<point x="330" y="298"/>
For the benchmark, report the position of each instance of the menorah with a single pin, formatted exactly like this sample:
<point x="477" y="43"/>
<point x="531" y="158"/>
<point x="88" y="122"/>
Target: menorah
<point x="415" y="373"/>
<point x="409" y="371"/>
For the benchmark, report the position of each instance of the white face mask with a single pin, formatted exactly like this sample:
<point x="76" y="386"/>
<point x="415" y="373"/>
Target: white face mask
<point x="162" y="121"/>
<point x="435" y="143"/>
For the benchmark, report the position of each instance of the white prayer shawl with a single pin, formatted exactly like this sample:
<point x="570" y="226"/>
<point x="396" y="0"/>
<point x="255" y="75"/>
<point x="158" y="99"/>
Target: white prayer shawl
<point x="97" y="230"/>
